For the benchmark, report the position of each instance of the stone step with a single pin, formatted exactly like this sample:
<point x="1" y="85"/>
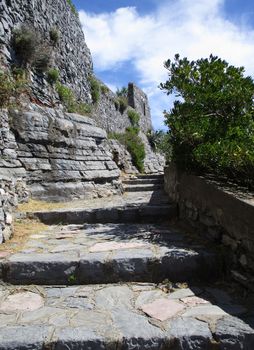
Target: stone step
<point x="123" y="317"/>
<point x="143" y="181"/>
<point x="151" y="176"/>
<point x="122" y="214"/>
<point x="142" y="187"/>
<point x="87" y="254"/>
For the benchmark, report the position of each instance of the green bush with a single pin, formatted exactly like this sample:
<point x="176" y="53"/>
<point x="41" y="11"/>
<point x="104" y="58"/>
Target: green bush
<point x="30" y="49"/>
<point x="69" y="101"/>
<point x="42" y="59"/>
<point x="159" y="140"/>
<point x="133" y="143"/>
<point x="104" y="89"/>
<point x="134" y="117"/>
<point x="73" y="8"/>
<point x="95" y="89"/>
<point x="123" y="103"/>
<point x="10" y="87"/>
<point x="123" y="92"/>
<point x="212" y="126"/>
<point x="25" y="42"/>
<point x="54" y="35"/>
<point x="53" y="76"/>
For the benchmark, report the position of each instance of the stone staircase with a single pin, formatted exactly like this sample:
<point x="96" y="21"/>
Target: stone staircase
<point x="119" y="276"/>
<point x="144" y="183"/>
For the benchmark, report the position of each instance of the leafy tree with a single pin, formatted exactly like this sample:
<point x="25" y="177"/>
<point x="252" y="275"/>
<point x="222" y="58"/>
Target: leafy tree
<point x="212" y="124"/>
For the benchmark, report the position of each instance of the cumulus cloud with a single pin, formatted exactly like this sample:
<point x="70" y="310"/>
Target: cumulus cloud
<point x="193" y="29"/>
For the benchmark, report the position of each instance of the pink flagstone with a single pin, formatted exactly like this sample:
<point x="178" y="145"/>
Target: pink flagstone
<point x="162" y="309"/>
<point x="4" y="254"/>
<point x="22" y="301"/>
<point x="106" y="246"/>
<point x="193" y="301"/>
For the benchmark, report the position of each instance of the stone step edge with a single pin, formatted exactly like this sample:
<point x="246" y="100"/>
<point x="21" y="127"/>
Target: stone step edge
<point x="41" y="336"/>
<point x="125" y="266"/>
<point x="142" y="188"/>
<point x="155" y="176"/>
<point x="143" y="182"/>
<point x="121" y="214"/>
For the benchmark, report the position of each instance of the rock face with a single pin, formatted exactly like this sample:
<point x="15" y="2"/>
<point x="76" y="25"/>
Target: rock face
<point x="70" y="55"/>
<point x="11" y="193"/>
<point x="58" y="154"/>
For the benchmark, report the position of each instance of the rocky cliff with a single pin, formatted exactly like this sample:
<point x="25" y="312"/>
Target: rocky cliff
<point x="46" y="152"/>
<point x="70" y="54"/>
<point x="58" y="154"/>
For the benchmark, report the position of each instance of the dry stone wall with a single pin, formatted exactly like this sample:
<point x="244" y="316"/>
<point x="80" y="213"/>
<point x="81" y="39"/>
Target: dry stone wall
<point x="70" y="55"/>
<point x="217" y="213"/>
<point x="12" y="192"/>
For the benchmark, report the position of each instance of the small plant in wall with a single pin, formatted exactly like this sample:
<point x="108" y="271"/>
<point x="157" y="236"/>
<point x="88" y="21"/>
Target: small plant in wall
<point x="73" y="8"/>
<point x="95" y="89"/>
<point x="134" y="118"/>
<point x="53" y="76"/>
<point x="69" y="101"/>
<point x="54" y="35"/>
<point x="25" y="42"/>
<point x="30" y="50"/>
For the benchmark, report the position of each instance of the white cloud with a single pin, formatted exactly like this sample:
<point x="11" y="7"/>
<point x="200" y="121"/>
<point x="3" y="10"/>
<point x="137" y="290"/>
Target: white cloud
<point x="192" y="28"/>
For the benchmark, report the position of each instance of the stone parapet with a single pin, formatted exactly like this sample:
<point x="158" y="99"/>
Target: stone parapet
<point x="216" y="211"/>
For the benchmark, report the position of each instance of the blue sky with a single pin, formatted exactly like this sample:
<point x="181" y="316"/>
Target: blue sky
<point x="130" y="40"/>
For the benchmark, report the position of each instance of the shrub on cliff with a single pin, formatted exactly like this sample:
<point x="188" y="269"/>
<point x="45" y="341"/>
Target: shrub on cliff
<point x="53" y="76"/>
<point x="54" y="35"/>
<point x="11" y="87"/>
<point x="95" y="89"/>
<point x="134" y="144"/>
<point x="30" y="49"/>
<point x="212" y="125"/>
<point x="134" y="118"/>
<point x="159" y="140"/>
<point x="69" y="101"/>
<point x="25" y="42"/>
<point x="72" y="7"/>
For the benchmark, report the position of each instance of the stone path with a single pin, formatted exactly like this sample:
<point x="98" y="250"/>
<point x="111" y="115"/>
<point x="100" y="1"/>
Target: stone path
<point x="119" y="286"/>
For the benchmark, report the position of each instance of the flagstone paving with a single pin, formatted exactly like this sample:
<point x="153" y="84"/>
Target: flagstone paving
<point x="121" y="285"/>
<point x="127" y="316"/>
<point x="109" y="253"/>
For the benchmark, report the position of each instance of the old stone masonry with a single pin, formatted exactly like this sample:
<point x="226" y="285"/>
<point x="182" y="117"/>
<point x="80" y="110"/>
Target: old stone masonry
<point x="92" y="255"/>
<point x="118" y="275"/>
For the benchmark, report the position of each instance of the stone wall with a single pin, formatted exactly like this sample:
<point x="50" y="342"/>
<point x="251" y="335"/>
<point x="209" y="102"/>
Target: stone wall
<point x="138" y="100"/>
<point x="220" y="214"/>
<point x="108" y="116"/>
<point x="12" y="192"/>
<point x="112" y="120"/>
<point x="58" y="154"/>
<point x="70" y="55"/>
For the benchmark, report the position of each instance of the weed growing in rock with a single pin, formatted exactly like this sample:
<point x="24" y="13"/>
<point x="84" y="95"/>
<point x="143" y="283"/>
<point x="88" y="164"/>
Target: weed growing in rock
<point x="133" y="143"/>
<point x="42" y="59"/>
<point x="25" y="42"/>
<point x="104" y="89"/>
<point x="69" y="101"/>
<point x="73" y="8"/>
<point x="53" y="76"/>
<point x="134" y="117"/>
<point x="10" y="87"/>
<point x="95" y="89"/>
<point x="30" y="49"/>
<point x="54" y="35"/>
<point x="123" y="103"/>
